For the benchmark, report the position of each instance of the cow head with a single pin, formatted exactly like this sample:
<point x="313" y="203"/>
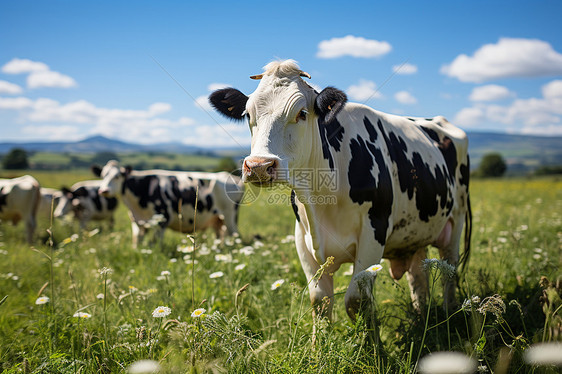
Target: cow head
<point x="113" y="177"/>
<point x="283" y="114"/>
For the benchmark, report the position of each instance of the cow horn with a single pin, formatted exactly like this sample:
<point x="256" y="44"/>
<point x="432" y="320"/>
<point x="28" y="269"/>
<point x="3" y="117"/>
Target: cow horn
<point x="305" y="74"/>
<point x="256" y="77"/>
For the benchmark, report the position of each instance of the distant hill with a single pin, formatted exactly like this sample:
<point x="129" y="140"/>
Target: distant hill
<point x="522" y="152"/>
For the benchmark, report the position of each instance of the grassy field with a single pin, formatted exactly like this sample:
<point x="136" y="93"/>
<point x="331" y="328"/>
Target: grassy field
<point x="250" y="327"/>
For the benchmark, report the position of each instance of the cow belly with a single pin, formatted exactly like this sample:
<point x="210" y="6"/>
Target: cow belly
<point x="406" y="239"/>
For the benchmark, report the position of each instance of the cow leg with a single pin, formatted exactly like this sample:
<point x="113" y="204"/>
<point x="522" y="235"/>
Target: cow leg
<point x="449" y="251"/>
<point x="359" y="295"/>
<point x="137" y="233"/>
<point x="319" y="289"/>
<point x="230" y="219"/>
<point x="418" y="279"/>
<point x="30" y="224"/>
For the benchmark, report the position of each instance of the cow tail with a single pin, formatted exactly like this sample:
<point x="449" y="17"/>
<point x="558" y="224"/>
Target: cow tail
<point x="463" y="261"/>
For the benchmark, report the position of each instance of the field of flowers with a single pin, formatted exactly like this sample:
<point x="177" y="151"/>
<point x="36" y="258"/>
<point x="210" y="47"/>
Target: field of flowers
<point x="86" y="302"/>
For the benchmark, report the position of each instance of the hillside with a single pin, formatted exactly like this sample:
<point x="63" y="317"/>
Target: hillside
<point x="522" y="152"/>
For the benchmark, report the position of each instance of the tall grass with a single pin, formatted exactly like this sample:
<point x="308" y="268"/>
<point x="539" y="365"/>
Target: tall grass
<point x="508" y="300"/>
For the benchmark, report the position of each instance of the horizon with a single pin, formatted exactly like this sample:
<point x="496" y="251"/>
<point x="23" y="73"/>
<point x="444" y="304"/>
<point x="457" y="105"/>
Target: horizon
<point x="141" y="74"/>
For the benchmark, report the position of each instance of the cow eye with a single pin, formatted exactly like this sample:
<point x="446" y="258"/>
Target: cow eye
<point x="302" y="115"/>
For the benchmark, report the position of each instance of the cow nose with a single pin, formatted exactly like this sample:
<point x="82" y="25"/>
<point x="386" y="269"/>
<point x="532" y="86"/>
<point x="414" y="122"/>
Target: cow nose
<point x="259" y="169"/>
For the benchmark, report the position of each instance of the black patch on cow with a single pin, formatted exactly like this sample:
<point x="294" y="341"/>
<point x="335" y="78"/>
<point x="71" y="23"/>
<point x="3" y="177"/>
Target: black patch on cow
<point x="97" y="201"/>
<point x="3" y="198"/>
<point x="111" y="203"/>
<point x="140" y="187"/>
<point x="448" y="150"/>
<point x="365" y="188"/>
<point x="416" y="176"/>
<point x="294" y="205"/>
<point x="229" y="102"/>
<point x="370" y="129"/>
<point x="209" y="201"/>
<point x="465" y="172"/>
<point x="331" y="134"/>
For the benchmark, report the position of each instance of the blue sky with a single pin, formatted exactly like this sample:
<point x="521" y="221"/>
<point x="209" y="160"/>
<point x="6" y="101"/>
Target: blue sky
<point x="135" y="71"/>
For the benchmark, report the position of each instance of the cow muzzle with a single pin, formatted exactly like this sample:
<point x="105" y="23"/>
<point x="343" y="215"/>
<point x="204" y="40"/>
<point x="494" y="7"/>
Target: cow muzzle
<point x="260" y="170"/>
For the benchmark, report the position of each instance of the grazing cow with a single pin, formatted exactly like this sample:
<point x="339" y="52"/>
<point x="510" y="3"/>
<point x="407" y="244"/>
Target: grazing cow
<point x="156" y="194"/>
<point x="366" y="185"/>
<point x="19" y="200"/>
<point x="49" y="199"/>
<point x="87" y="204"/>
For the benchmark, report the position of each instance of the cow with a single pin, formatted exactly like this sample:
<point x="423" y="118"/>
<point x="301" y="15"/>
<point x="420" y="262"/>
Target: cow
<point x="49" y="199"/>
<point x="394" y="184"/>
<point x="19" y="200"/>
<point x="84" y="200"/>
<point x="155" y="195"/>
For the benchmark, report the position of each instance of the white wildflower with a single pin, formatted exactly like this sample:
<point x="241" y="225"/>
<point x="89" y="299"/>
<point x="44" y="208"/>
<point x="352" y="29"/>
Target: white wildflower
<point x="198" y="313"/>
<point x="144" y="367"/>
<point x="240" y="267"/>
<point x="82" y="315"/>
<point x="216" y="274"/>
<point x="161" y="311"/>
<point x="544" y="354"/>
<point x="447" y="362"/>
<point x="165" y="273"/>
<point x="277" y="284"/>
<point x="42" y="300"/>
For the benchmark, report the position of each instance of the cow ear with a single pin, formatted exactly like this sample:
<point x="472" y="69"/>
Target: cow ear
<point x="66" y="191"/>
<point x="328" y="103"/>
<point x="96" y="170"/>
<point x="229" y="102"/>
<point x="81" y="192"/>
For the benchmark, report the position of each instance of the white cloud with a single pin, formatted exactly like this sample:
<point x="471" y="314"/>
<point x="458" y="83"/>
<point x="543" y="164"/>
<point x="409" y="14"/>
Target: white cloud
<point x="404" y="97"/>
<point x="509" y="57"/>
<point x="405" y="69"/>
<point x="10" y="88"/>
<point x="15" y="103"/>
<point x="354" y="46"/>
<point x="144" y="126"/>
<point x="491" y="92"/>
<point x="469" y="117"/>
<point x="19" y="66"/>
<point x="363" y="91"/>
<point x="49" y="78"/>
<point x="552" y="90"/>
<point x="202" y="102"/>
<point x="532" y="116"/>
<point x="220" y="135"/>
<point x="53" y="133"/>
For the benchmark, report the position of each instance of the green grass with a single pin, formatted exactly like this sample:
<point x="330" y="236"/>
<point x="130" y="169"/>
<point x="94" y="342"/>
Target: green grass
<point x="517" y="240"/>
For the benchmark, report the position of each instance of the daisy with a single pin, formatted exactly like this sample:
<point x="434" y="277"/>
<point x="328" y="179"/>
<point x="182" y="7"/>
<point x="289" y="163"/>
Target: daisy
<point x="240" y="267"/>
<point x="217" y="274"/>
<point x="42" y="300"/>
<point x="100" y="296"/>
<point x="82" y="315"/>
<point x="165" y="273"/>
<point x="374" y="268"/>
<point x="277" y="284"/>
<point x="198" y="313"/>
<point x="161" y="311"/>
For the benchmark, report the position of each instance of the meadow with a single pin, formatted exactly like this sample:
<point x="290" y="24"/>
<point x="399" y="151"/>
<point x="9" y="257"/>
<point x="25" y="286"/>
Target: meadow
<point x="103" y="310"/>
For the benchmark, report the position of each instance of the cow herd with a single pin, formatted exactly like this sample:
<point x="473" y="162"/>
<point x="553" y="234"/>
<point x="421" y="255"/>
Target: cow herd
<point x="181" y="201"/>
<point x="396" y="185"/>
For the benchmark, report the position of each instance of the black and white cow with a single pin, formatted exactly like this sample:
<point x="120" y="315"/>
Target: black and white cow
<point x="155" y="195"/>
<point x="49" y="199"/>
<point x="378" y="185"/>
<point x="86" y="203"/>
<point x="19" y="201"/>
